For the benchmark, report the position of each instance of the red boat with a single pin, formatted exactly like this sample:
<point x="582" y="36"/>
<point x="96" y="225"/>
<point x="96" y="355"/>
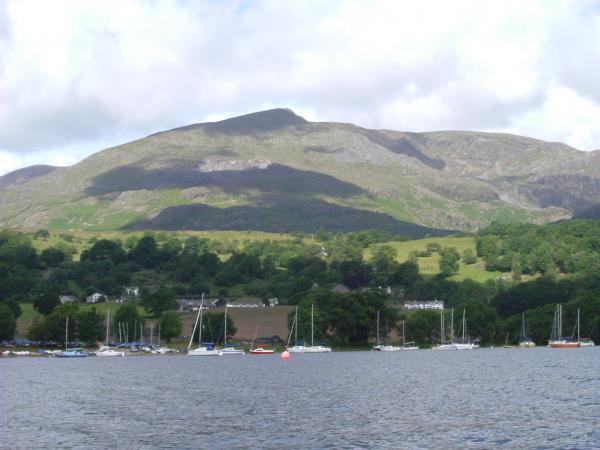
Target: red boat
<point x="261" y="351"/>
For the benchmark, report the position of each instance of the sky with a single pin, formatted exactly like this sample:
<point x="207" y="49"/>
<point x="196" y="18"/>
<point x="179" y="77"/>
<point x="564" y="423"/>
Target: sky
<point x="77" y="77"/>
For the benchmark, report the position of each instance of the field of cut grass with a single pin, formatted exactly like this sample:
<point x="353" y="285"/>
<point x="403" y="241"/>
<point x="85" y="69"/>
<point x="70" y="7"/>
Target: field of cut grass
<point x="80" y="240"/>
<point x="430" y="265"/>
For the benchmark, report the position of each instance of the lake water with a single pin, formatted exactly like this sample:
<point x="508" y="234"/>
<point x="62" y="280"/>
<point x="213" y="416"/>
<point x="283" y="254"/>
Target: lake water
<point x="486" y="398"/>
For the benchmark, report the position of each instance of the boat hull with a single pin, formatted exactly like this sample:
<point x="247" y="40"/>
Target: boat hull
<point x="202" y="351"/>
<point x="261" y="351"/>
<point x="70" y="355"/>
<point x="444" y="347"/>
<point x="110" y="353"/>
<point x="232" y="351"/>
<point x="561" y="344"/>
<point x="296" y="349"/>
<point x="317" y="349"/>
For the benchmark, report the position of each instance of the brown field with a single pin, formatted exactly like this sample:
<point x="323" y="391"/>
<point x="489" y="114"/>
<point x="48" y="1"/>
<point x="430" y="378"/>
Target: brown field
<point x="269" y="320"/>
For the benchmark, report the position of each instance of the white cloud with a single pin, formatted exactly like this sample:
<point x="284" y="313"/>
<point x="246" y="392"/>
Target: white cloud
<point x="77" y="75"/>
<point x="8" y="163"/>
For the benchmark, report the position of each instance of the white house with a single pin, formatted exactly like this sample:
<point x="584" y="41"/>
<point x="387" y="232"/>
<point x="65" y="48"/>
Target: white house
<point x="432" y="304"/>
<point x="95" y="298"/>
<point x="132" y="291"/>
<point x="68" y="299"/>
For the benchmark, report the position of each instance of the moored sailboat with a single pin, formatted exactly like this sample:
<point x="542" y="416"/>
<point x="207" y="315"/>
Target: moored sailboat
<point x="105" y="350"/>
<point x="296" y="348"/>
<point x="557" y="340"/>
<point x="410" y="345"/>
<point x="229" y="349"/>
<point x="443" y="345"/>
<point x="201" y="350"/>
<point x="314" y="348"/>
<point x="525" y="342"/>
<point x="73" y="352"/>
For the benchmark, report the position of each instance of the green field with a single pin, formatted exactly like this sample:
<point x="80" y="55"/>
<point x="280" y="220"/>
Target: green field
<point x="430" y="265"/>
<point x="80" y="240"/>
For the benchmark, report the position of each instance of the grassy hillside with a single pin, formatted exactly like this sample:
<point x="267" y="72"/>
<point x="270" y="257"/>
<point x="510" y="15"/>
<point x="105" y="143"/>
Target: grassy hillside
<point x="430" y="265"/>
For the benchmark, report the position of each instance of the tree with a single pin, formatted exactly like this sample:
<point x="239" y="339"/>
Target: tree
<point x="162" y="300"/>
<point x="170" y="325"/>
<point x="105" y="250"/>
<point x="146" y="252"/>
<point x="89" y="325"/>
<point x="517" y="267"/>
<point x="214" y="324"/>
<point x="8" y="323"/>
<point x="449" y="261"/>
<point x="128" y="316"/>
<point x="469" y="256"/>
<point x="46" y="302"/>
<point x="52" y="257"/>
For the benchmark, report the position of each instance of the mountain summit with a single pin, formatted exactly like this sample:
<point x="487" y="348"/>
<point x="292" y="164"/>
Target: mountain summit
<point x="258" y="122"/>
<point x="275" y="171"/>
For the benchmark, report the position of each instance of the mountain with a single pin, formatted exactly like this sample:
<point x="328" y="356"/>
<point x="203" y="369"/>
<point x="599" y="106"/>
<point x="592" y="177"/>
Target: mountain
<point x="24" y="175"/>
<point x="275" y="171"/>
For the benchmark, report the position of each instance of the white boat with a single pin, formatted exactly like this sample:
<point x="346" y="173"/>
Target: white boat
<point x="201" y="350"/>
<point x="229" y="350"/>
<point x="317" y="349"/>
<point x="443" y="346"/>
<point x="314" y="348"/>
<point x="105" y="350"/>
<point x="73" y="352"/>
<point x="205" y="351"/>
<point x="525" y="342"/>
<point x="296" y="348"/>
<point x="384" y="348"/>
<point x="465" y="343"/>
<point x="407" y="345"/>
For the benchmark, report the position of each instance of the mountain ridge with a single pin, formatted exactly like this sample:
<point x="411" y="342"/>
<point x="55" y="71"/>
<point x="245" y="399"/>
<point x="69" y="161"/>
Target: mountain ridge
<point x="443" y="180"/>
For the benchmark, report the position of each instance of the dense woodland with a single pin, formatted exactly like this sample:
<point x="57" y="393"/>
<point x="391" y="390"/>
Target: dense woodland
<point x="560" y="263"/>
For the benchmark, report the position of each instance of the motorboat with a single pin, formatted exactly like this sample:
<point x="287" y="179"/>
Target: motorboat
<point x="71" y="353"/>
<point x="262" y="351"/>
<point x="205" y="351"/>
<point x="105" y="351"/>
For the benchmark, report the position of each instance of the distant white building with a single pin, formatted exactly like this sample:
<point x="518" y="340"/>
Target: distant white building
<point x="433" y="304"/>
<point x="68" y="299"/>
<point x="131" y="291"/>
<point x="95" y="298"/>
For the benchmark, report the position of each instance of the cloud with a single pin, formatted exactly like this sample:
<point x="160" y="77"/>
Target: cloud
<point x="8" y="163"/>
<point x="76" y="75"/>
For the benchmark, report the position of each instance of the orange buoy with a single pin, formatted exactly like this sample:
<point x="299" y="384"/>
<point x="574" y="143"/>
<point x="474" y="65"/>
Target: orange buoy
<point x="285" y="355"/>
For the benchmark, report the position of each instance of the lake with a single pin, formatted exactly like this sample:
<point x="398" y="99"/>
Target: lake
<point x="487" y="398"/>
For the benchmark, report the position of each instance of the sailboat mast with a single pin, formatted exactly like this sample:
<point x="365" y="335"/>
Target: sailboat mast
<point x="577" y="324"/>
<point x="195" y="324"/>
<point x="107" y="321"/>
<point x="452" y="325"/>
<point x="66" y="333"/>
<point x="225" y="332"/>
<point x="464" y="325"/>
<point x="560" y="321"/>
<point x="296" y="327"/>
<point x="403" y="338"/>
<point x="312" y="325"/>
<point x="442" y="326"/>
<point x="377" y="327"/>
